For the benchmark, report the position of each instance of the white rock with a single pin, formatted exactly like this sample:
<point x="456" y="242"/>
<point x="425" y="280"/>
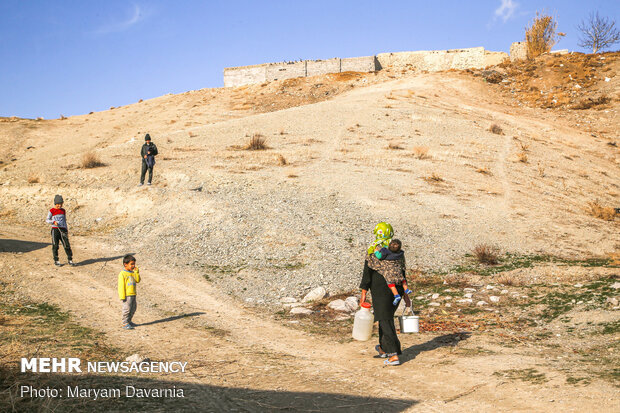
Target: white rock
<point x="613" y="301"/>
<point x="481" y="303"/>
<point x="577" y="87"/>
<point x="352" y="303"/>
<point x="490" y="287"/>
<point x="420" y="297"/>
<point x="468" y="295"/>
<point x="615" y="286"/>
<point x="465" y="300"/>
<point x="316" y="294"/>
<point x="447" y="297"/>
<point x="288" y="300"/>
<point x="494" y="298"/>
<point x="339" y="305"/>
<point x="607" y="79"/>
<point x="578" y="285"/>
<point x="434" y="297"/>
<point x="137" y="358"/>
<point x="471" y="290"/>
<point x="301" y="310"/>
<point x="504" y="292"/>
<point x="448" y="305"/>
<point x="291" y="305"/>
<point x="433" y="304"/>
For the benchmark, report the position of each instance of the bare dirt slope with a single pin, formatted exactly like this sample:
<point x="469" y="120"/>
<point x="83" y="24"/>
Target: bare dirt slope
<point x="413" y="149"/>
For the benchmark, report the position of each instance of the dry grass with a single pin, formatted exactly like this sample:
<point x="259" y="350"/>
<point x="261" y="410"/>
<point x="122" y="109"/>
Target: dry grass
<point x="483" y="171"/>
<point x="433" y="178"/>
<point x="395" y="146"/>
<point x="191" y="134"/>
<point x="282" y="132"/>
<point x="420" y="152"/>
<point x="597" y="210"/>
<point x="496" y="129"/>
<point x="509" y="280"/>
<point x="524" y="147"/>
<point x="5" y="213"/>
<point x="590" y="102"/>
<point x="91" y="160"/>
<point x="522" y="157"/>
<point x="486" y="254"/>
<point x="541" y="171"/>
<point x="293" y="176"/>
<point x="282" y="160"/>
<point x="34" y="179"/>
<point x="541" y="35"/>
<point x="256" y="143"/>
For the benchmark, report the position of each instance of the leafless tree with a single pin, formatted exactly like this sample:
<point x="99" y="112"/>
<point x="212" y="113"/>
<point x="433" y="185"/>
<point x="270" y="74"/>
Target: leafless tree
<point x="598" y="33"/>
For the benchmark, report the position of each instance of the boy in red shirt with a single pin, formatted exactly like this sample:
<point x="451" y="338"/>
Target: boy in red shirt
<point x="57" y="218"/>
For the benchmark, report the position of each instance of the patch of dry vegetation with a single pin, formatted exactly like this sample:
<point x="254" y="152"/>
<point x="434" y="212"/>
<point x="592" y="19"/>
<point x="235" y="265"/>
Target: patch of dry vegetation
<point x="256" y="143"/>
<point x="597" y="210"/>
<point x="395" y="146"/>
<point x="420" y="152"/>
<point x="282" y="160"/>
<point x="486" y="254"/>
<point x="434" y="179"/>
<point x="496" y="129"/>
<point x="34" y="179"/>
<point x="91" y="160"/>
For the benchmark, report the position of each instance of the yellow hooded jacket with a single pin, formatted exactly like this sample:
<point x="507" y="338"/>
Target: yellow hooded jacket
<point x="127" y="283"/>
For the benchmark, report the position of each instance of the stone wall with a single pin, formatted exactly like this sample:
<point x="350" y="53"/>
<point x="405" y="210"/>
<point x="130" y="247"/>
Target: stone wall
<point x="434" y="60"/>
<point x="518" y="51"/>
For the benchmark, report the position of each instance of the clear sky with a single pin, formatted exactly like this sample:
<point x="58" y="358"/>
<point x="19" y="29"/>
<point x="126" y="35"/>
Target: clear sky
<point x="72" y="57"/>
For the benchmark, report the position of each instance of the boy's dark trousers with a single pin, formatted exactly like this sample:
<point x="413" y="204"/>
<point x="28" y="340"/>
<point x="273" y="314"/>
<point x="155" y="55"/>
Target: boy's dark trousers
<point x="62" y="235"/>
<point x="143" y="173"/>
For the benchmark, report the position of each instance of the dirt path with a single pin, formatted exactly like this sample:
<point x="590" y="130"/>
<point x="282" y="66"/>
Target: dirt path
<point x="184" y="318"/>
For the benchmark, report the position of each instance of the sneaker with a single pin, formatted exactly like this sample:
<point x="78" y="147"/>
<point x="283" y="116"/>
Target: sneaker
<point x="57" y="263"/>
<point x="71" y="263"/>
<point x="389" y="362"/>
<point x="131" y="323"/>
<point x="408" y="291"/>
<point x="128" y="327"/>
<point x="397" y="299"/>
<point x="148" y="183"/>
<point x="140" y="184"/>
<point x="382" y="353"/>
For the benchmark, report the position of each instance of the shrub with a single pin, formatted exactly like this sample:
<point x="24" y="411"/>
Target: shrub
<point x="433" y="178"/>
<point x="282" y="160"/>
<point x="483" y="171"/>
<point x="256" y="143"/>
<point x="496" y="129"/>
<point x="597" y="210"/>
<point x="522" y="157"/>
<point x="91" y="160"/>
<point x="486" y="254"/>
<point x="541" y="35"/>
<point x="34" y="179"/>
<point x="420" y="152"/>
<point x="394" y="146"/>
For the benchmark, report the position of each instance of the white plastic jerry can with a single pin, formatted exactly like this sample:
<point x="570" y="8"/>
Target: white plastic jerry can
<point x="362" y="325"/>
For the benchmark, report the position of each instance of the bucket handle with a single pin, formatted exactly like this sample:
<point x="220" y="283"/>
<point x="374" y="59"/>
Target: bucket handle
<point x="410" y="308"/>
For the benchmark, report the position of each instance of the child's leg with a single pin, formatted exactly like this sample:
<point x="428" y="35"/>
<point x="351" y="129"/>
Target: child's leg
<point x="407" y="290"/>
<point x="55" y="243"/>
<point x="126" y="311"/>
<point x="64" y="238"/>
<point x="393" y="289"/>
<point x="133" y="307"/>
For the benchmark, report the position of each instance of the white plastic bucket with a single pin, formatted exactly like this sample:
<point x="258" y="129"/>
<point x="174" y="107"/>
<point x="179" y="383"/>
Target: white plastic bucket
<point x="409" y="323"/>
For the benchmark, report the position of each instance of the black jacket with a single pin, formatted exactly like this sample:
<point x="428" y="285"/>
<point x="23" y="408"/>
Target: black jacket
<point x="146" y="147"/>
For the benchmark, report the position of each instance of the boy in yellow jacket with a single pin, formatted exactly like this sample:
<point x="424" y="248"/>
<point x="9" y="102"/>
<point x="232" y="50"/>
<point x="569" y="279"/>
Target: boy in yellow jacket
<point x="127" y="280"/>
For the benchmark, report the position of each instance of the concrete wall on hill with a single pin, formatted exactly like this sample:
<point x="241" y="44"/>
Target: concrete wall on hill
<point x="434" y="60"/>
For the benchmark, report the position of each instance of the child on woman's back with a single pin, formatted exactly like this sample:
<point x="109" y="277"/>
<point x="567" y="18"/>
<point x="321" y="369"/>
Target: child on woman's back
<point x="390" y="263"/>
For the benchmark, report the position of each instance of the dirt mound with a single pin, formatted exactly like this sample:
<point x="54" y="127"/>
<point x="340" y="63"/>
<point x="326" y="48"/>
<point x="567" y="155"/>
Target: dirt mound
<point x="560" y="81"/>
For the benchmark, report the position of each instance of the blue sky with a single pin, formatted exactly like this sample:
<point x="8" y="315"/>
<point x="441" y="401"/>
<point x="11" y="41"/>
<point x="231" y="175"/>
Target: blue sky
<point x="73" y="57"/>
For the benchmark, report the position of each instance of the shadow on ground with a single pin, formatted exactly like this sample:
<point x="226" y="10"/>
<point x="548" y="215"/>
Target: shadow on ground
<point x="96" y="260"/>
<point x="447" y="340"/>
<point x="196" y="397"/>
<point x="16" y="245"/>
<point x="176" y="317"/>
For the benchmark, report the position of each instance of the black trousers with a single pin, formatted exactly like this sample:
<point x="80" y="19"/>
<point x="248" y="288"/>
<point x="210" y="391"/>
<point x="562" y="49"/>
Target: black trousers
<point x="61" y="235"/>
<point x="143" y="173"/>
<point x="388" y="340"/>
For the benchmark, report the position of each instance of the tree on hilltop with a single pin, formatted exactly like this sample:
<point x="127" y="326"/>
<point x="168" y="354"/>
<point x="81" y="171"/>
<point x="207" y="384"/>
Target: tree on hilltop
<point x="598" y="33"/>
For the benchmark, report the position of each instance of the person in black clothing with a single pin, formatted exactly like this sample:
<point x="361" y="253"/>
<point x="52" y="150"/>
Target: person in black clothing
<point x="382" y="297"/>
<point x="147" y="153"/>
